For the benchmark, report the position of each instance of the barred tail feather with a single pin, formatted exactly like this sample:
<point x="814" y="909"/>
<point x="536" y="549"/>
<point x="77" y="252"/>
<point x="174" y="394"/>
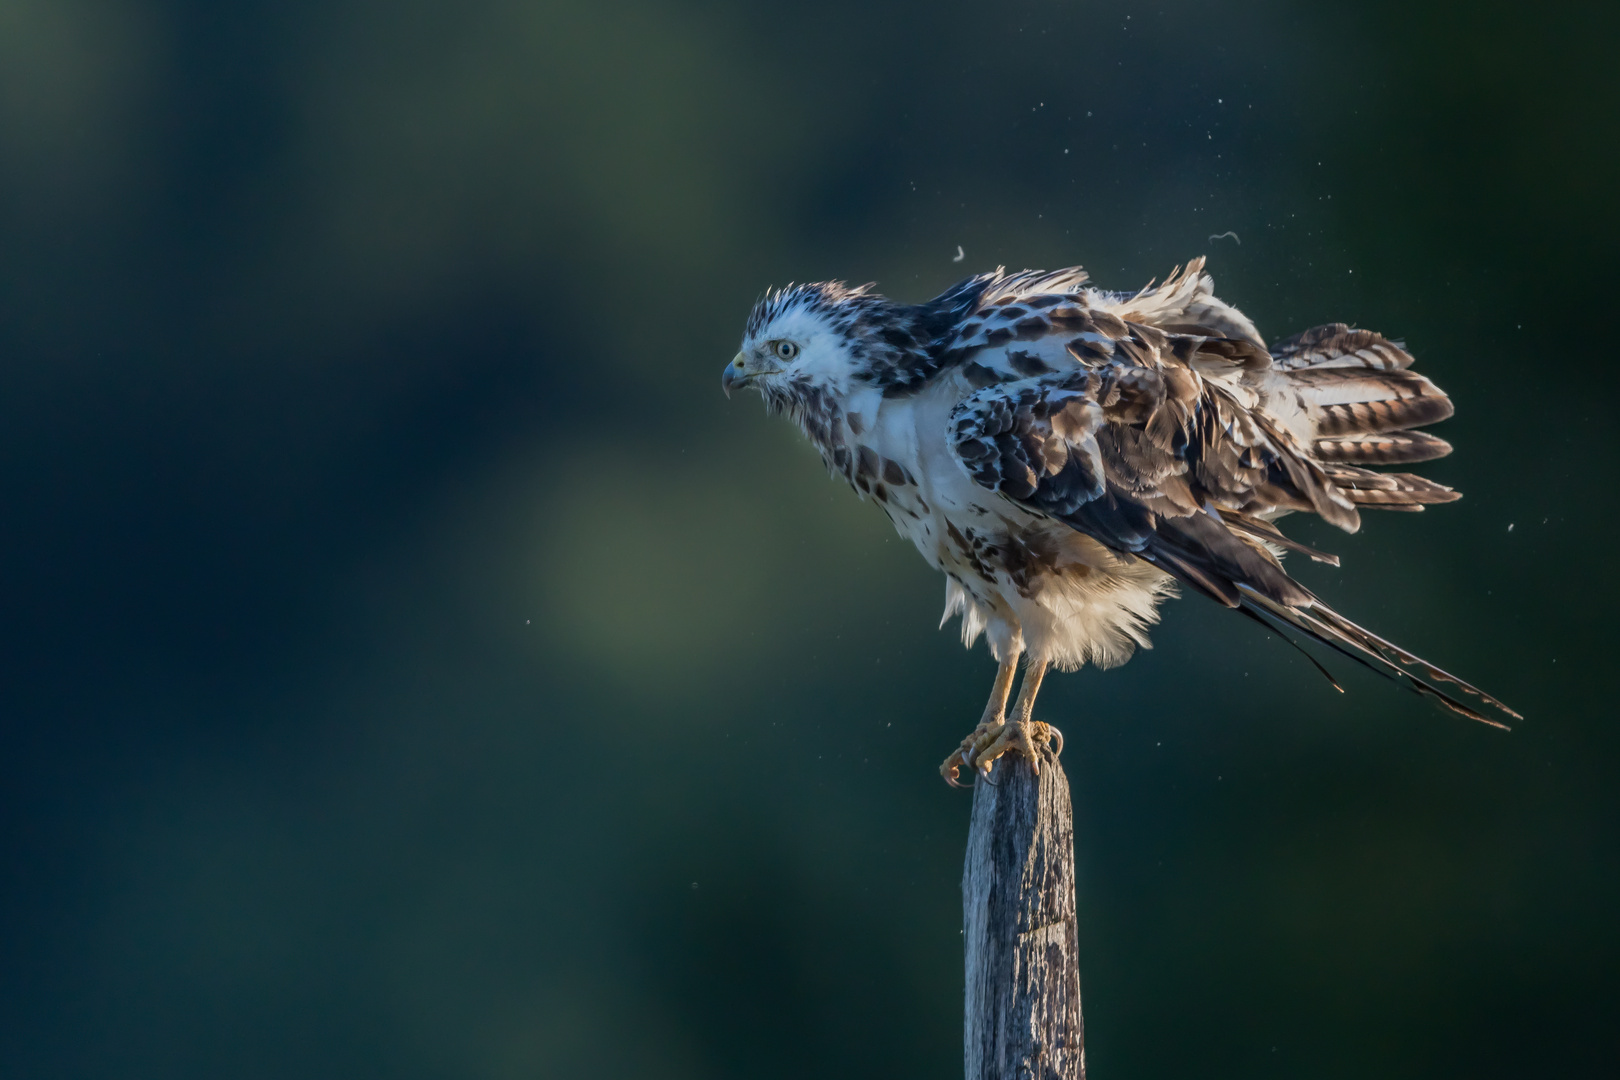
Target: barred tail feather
<point x="1391" y="491"/>
<point x="1359" y="401"/>
<point x="1337" y="346"/>
<point x="1389" y="448"/>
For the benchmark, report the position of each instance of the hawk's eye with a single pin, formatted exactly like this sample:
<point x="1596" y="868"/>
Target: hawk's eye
<point x="785" y="350"/>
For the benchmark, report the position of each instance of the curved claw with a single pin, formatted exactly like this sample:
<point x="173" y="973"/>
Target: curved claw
<point x="991" y="740"/>
<point x="951" y="769"/>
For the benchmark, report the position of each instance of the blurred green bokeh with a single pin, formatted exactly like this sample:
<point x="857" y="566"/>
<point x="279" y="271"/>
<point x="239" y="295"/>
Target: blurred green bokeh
<point x="414" y="667"/>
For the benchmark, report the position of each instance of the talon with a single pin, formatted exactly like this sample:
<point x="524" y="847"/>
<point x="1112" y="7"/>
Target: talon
<point x="996" y="735"/>
<point x="991" y="739"/>
<point x="951" y="767"/>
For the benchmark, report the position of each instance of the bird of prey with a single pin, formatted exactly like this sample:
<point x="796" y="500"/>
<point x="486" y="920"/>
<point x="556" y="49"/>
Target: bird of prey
<point x="1067" y="456"/>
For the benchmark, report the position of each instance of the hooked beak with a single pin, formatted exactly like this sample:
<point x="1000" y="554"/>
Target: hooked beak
<point x="736" y="374"/>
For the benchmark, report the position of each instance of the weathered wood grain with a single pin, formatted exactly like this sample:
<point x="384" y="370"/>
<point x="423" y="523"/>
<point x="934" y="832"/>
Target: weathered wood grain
<point x="1018" y="915"/>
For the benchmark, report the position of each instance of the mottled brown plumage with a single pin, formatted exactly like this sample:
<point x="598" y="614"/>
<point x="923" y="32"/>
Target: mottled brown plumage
<point x="1062" y="453"/>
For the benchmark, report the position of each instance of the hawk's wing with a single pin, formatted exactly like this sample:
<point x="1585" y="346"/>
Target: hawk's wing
<point x="1001" y="308"/>
<point x="1153" y="445"/>
<point x="1279" y="431"/>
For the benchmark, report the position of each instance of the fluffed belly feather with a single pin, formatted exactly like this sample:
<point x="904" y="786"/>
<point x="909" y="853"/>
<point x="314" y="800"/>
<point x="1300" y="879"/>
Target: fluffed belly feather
<point x="1019" y="576"/>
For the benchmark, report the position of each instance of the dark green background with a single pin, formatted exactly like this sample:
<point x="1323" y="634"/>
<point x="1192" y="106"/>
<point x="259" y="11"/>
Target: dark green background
<point x="413" y="666"/>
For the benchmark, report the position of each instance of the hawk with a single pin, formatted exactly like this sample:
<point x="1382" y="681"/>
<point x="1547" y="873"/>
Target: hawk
<point x="1068" y="456"/>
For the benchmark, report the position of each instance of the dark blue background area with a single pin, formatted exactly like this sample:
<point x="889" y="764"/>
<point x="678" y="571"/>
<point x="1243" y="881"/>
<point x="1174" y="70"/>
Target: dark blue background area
<point x="412" y="666"/>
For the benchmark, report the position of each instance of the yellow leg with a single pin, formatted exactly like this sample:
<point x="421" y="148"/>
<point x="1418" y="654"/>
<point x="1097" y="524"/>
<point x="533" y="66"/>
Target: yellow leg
<point x="994" y="719"/>
<point x="1024" y="734"/>
<point x="996" y="708"/>
<point x="1026" y="693"/>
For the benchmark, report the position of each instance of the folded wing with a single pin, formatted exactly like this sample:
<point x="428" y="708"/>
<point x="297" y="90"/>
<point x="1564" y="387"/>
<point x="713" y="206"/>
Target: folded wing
<point x="1158" y="444"/>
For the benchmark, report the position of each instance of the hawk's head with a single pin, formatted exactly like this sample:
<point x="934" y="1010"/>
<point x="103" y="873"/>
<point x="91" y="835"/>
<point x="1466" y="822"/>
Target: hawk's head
<point x="807" y="345"/>
<point x="804" y="341"/>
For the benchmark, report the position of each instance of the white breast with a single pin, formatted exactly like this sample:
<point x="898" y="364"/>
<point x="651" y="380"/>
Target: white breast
<point x="1093" y="606"/>
<point x="912" y="432"/>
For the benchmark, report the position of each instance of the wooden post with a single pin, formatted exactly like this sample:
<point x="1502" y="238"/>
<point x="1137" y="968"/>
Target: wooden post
<point x="1018" y="921"/>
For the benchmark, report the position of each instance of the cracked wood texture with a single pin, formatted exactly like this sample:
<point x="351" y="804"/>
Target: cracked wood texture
<point x="1018" y="921"/>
